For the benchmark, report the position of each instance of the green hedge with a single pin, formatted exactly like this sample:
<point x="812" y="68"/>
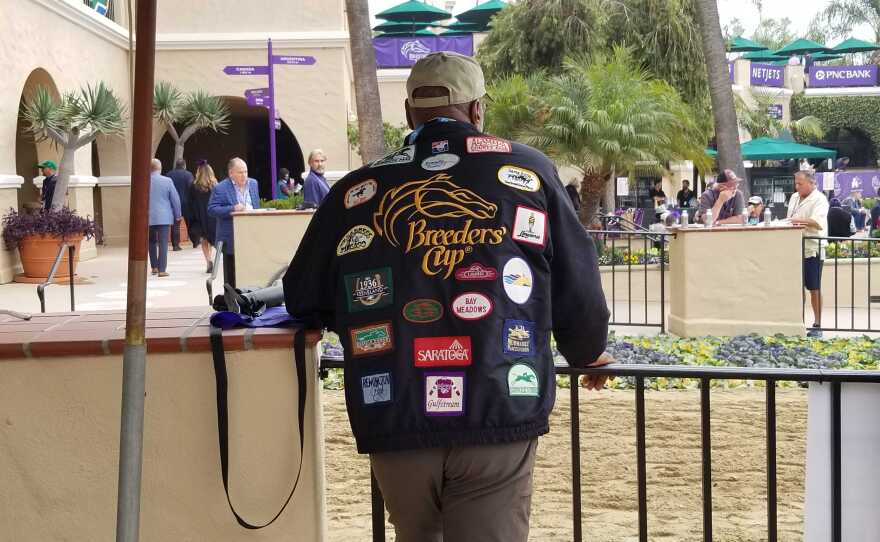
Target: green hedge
<point x="852" y="112"/>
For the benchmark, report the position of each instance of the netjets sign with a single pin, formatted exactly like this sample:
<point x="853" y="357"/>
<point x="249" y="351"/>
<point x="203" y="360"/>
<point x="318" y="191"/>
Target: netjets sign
<point x="843" y="76"/>
<point x="767" y="75"/>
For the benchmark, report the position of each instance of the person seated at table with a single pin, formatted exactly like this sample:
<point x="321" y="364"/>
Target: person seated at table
<point x="724" y="200"/>
<point x="656" y="193"/>
<point x="841" y="222"/>
<point x="855" y="205"/>
<point x="756" y="210"/>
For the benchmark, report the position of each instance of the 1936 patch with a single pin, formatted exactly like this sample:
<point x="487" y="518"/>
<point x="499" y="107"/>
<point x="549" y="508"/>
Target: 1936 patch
<point x="371" y="339"/>
<point x="357" y="238"/>
<point x="360" y="193"/>
<point x="370" y="289"/>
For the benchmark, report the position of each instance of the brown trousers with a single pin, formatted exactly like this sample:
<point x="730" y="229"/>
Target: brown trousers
<point x="469" y="494"/>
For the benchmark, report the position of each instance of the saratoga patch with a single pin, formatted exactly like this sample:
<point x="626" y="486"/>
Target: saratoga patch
<point x="476" y="271"/>
<point x="440" y="162"/>
<point x="407" y="212"/>
<point x="357" y="238"/>
<point x="423" y="311"/>
<point x="440" y="146"/>
<point x="472" y="306"/>
<point x="529" y="226"/>
<point x="442" y="351"/>
<point x="371" y="289"/>
<point x="519" y="178"/>
<point x="517" y="280"/>
<point x="444" y="394"/>
<point x="376" y="388"/>
<point x="522" y="381"/>
<point x="519" y="337"/>
<point x="478" y="144"/>
<point x="371" y="339"/>
<point x="403" y="155"/>
<point x="360" y="193"/>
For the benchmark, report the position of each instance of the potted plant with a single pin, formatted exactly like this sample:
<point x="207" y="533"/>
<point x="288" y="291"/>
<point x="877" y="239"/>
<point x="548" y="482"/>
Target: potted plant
<point x="37" y="237"/>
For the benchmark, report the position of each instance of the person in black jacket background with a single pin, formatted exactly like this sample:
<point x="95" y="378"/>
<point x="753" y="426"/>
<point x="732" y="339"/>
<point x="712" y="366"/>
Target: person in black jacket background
<point x="840" y="220"/>
<point x="444" y="267"/>
<point x="183" y="181"/>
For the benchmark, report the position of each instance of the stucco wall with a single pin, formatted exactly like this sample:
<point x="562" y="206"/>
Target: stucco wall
<point x="250" y="16"/>
<point x="265" y="242"/>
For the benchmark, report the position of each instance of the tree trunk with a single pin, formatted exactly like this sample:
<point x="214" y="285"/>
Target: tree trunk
<point x="723" y="112"/>
<point x="366" y="86"/>
<point x="65" y="170"/>
<point x="592" y="190"/>
<point x="178" y="154"/>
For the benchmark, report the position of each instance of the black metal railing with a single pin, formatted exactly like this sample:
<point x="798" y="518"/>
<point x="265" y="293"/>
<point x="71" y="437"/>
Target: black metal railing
<point x="855" y="252"/>
<point x="209" y="282"/>
<point x="41" y="288"/>
<point x="618" y="252"/>
<point x="705" y="375"/>
<point x="618" y="222"/>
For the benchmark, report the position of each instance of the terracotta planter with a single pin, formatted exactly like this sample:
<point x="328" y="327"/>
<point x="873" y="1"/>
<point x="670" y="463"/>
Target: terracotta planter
<point x="38" y="254"/>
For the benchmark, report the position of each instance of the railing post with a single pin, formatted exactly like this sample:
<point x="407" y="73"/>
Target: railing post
<point x="577" y="534"/>
<point x="771" y="461"/>
<point x="641" y="459"/>
<point x="705" y="432"/>
<point x="663" y="285"/>
<point x="836" y="509"/>
<point x="378" y="509"/>
<point x="70" y="255"/>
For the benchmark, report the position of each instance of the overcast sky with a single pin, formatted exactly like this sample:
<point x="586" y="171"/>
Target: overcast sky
<point x="799" y="11"/>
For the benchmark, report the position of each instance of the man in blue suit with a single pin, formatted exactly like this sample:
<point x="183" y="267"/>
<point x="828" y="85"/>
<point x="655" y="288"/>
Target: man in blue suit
<point x="237" y="192"/>
<point x="164" y="211"/>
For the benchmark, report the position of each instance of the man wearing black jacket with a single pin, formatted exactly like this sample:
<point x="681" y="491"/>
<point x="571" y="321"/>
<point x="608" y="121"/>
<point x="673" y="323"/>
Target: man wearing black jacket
<point x="444" y="267"/>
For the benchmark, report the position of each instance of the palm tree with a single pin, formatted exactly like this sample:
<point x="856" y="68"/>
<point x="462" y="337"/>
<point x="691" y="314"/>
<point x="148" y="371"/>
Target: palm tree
<point x="843" y="15"/>
<point x="193" y="111"/>
<point x="723" y="111"/>
<point x="71" y="123"/>
<point x="366" y="86"/>
<point x="600" y="116"/>
<point x="756" y="120"/>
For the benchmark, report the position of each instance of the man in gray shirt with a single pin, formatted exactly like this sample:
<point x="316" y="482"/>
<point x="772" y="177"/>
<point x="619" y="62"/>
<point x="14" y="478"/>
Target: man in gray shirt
<point x="723" y="198"/>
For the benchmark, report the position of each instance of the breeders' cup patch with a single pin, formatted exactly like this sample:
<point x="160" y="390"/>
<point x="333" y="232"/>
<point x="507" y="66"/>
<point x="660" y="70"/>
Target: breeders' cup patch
<point x="403" y="155"/>
<point x="371" y="339"/>
<point x="376" y="388"/>
<point x="476" y="271"/>
<point x="440" y="162"/>
<point x="522" y="381"/>
<point x="529" y="226"/>
<point x="472" y="306"/>
<point x="423" y="311"/>
<point x="439" y="146"/>
<point x="444" y="394"/>
<point x="357" y="238"/>
<point x="519" y="178"/>
<point x="370" y="289"/>
<point x="517" y="280"/>
<point x="442" y="351"/>
<point x="478" y="144"/>
<point x="519" y="337"/>
<point x="360" y="193"/>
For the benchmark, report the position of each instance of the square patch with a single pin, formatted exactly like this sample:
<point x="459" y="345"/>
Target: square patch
<point x="522" y="381"/>
<point x="442" y="351"/>
<point x="529" y="226"/>
<point x="370" y="289"/>
<point x="444" y="394"/>
<point x="376" y="388"/>
<point x="439" y="146"/>
<point x="371" y="339"/>
<point x="519" y="337"/>
<point x="478" y="144"/>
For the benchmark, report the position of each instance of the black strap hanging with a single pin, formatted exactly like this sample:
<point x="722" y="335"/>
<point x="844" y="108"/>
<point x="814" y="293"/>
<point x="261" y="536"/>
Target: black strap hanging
<point x="299" y="355"/>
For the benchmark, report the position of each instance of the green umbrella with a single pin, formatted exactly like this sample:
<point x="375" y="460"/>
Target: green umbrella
<point x="399" y="27"/>
<point x="459" y="26"/>
<point x="740" y="44"/>
<point x="481" y="13"/>
<point x="854" y="45"/>
<point x="405" y="34"/>
<point x="762" y="56"/>
<point x="413" y="11"/>
<point x="802" y="47"/>
<point x="766" y="148"/>
<point x="822" y="57"/>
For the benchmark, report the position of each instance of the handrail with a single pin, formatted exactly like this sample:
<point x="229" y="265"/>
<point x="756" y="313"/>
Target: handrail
<point x="622" y="219"/>
<point x="209" y="282"/>
<point x="15" y="314"/>
<point x="41" y="289"/>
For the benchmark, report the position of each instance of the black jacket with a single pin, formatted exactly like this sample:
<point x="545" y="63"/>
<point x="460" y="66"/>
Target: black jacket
<point x="444" y="267"/>
<point x="839" y="222"/>
<point x="182" y="180"/>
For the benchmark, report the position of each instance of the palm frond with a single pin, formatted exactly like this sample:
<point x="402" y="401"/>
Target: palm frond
<point x="167" y="103"/>
<point x="42" y="113"/>
<point x="205" y="111"/>
<point x="98" y="110"/>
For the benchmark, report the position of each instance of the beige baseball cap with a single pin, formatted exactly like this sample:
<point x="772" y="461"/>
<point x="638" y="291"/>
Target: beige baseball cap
<point x="461" y="75"/>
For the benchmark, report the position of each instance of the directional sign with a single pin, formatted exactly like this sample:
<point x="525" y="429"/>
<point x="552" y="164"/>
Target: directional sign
<point x="246" y="70"/>
<point x="277" y="124"/>
<point x="263" y="101"/>
<point x="256" y="92"/>
<point x="293" y="60"/>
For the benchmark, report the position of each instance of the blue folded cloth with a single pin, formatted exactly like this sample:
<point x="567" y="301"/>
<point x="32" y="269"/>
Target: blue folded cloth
<point x="271" y="317"/>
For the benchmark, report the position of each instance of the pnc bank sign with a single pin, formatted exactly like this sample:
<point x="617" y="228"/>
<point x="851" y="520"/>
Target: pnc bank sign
<point x="843" y="76"/>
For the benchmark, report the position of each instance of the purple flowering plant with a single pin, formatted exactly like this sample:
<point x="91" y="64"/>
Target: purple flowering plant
<point x="62" y="223"/>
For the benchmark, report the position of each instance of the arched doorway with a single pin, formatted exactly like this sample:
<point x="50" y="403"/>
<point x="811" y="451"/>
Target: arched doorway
<point x="28" y="151"/>
<point x="247" y="137"/>
<point x="851" y="142"/>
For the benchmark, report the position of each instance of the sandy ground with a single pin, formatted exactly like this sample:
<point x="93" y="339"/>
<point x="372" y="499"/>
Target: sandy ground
<point x="609" y="469"/>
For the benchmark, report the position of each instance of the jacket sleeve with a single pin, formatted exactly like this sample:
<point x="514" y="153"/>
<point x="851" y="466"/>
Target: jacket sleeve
<point x="255" y="194"/>
<point x="309" y="284"/>
<point x="175" y="201"/>
<point x="580" y="315"/>
<point x="217" y="206"/>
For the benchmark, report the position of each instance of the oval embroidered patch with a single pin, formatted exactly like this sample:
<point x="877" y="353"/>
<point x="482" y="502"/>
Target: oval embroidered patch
<point x="422" y="311"/>
<point x="472" y="306"/>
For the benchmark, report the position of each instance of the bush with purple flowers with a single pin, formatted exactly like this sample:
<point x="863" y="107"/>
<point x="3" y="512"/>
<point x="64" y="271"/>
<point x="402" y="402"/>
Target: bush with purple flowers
<point x="62" y="223"/>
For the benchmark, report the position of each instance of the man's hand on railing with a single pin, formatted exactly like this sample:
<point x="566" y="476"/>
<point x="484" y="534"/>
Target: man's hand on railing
<point x="597" y="382"/>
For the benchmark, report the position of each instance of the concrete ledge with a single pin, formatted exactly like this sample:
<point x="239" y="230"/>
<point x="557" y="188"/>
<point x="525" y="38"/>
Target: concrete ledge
<point x="114" y="180"/>
<point x="11" y="181"/>
<point x="706" y="326"/>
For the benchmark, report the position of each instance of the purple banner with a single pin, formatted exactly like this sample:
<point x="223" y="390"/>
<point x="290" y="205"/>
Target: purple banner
<point x="730" y="70"/>
<point x="293" y="60"/>
<point x="256" y="92"/>
<point x="246" y="70"/>
<point x="261" y="101"/>
<point x="767" y="75"/>
<point x="404" y="52"/>
<point x="843" y="76"/>
<point x="866" y="180"/>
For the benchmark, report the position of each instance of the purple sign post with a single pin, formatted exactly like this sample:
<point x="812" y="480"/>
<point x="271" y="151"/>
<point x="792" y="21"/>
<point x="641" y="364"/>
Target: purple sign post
<point x="767" y="75"/>
<point x="843" y="76"/>
<point x="265" y="97"/>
